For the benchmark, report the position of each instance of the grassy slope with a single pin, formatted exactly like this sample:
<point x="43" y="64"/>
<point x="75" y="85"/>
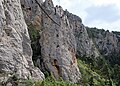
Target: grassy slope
<point x="90" y="77"/>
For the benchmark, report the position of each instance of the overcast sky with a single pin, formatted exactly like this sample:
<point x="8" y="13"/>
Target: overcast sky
<point x="95" y="13"/>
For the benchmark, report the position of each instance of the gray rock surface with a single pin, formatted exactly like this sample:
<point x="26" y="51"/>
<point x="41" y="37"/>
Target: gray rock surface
<point x="57" y="41"/>
<point x="61" y="36"/>
<point x="32" y="12"/>
<point x="58" y="44"/>
<point x="15" y="48"/>
<point x="85" y="46"/>
<point x="107" y="42"/>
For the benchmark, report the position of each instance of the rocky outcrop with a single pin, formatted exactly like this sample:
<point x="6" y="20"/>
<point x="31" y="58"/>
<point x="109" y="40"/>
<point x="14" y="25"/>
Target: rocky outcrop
<point x="32" y="12"/>
<point x="56" y="39"/>
<point x="106" y="42"/>
<point x="118" y="39"/>
<point x="58" y="44"/>
<point x="57" y="36"/>
<point x="15" y="48"/>
<point x="85" y="45"/>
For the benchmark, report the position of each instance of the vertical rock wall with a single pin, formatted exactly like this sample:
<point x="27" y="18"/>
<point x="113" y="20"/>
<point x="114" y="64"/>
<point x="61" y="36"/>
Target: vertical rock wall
<point x="85" y="46"/>
<point x="58" y="44"/>
<point x="15" y="48"/>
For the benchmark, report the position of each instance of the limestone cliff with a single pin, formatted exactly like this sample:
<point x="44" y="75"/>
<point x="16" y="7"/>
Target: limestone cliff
<point x="15" y="48"/>
<point x="85" y="46"/>
<point x="58" y="44"/>
<point x="106" y="42"/>
<point x="56" y="37"/>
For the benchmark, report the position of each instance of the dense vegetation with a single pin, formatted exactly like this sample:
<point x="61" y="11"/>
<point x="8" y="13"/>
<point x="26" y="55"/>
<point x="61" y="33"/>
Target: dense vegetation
<point x="94" y="73"/>
<point x="49" y="81"/>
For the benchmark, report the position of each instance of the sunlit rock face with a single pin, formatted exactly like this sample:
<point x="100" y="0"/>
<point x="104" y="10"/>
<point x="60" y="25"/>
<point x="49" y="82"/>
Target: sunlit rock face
<point x="58" y="44"/>
<point x="15" y="48"/>
<point x="57" y="53"/>
<point x="85" y="46"/>
<point x="56" y="36"/>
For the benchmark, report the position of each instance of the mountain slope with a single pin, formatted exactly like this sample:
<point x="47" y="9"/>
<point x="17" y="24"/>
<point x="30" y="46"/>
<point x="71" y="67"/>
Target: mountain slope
<point x="59" y="45"/>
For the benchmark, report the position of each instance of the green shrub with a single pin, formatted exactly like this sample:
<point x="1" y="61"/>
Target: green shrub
<point x="91" y="76"/>
<point x="49" y="81"/>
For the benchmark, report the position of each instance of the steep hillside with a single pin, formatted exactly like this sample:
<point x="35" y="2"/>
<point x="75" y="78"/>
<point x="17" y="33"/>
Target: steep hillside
<point x="108" y="44"/>
<point x="33" y="32"/>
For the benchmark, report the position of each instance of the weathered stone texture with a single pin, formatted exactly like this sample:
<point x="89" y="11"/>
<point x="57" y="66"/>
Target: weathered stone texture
<point x="84" y="44"/>
<point x="107" y="42"/>
<point x="60" y="37"/>
<point x="58" y="44"/>
<point x="15" y="48"/>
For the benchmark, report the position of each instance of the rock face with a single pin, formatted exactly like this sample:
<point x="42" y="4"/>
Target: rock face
<point x="85" y="45"/>
<point x="106" y="42"/>
<point x="57" y="36"/>
<point x="32" y="12"/>
<point x="15" y="48"/>
<point x="57" y="41"/>
<point x="58" y="44"/>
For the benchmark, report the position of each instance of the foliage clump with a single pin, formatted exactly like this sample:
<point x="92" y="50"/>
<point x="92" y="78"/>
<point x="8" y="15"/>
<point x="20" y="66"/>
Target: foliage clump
<point x="49" y="81"/>
<point x="94" y="73"/>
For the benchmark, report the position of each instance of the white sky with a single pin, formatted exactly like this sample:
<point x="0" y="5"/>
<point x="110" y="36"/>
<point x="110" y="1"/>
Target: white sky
<point x="95" y="13"/>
